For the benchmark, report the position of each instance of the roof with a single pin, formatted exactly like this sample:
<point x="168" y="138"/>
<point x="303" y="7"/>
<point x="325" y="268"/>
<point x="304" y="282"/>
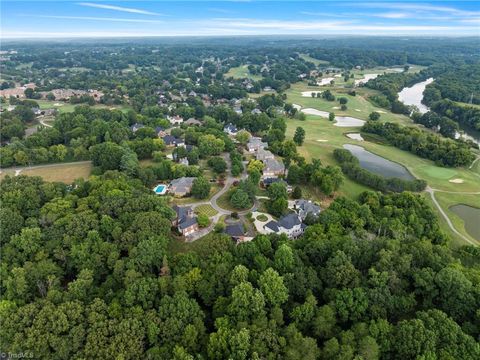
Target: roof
<point x="273" y="225"/>
<point x="187" y="222"/>
<point x="230" y="128"/>
<point x="271" y="180"/>
<point x="171" y="140"/>
<point x="181" y="211"/>
<point x="182" y="185"/>
<point x="193" y="121"/>
<point x="307" y="206"/>
<point x="159" y="128"/>
<point x="263" y="154"/>
<point x="274" y="165"/>
<point x="136" y="126"/>
<point x="289" y="221"/>
<point x="256" y="142"/>
<point x="234" y="230"/>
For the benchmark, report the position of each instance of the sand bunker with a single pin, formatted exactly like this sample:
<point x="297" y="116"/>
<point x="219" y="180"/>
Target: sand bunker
<point x="358" y="110"/>
<point x="309" y="93"/>
<point x="310" y="111"/>
<point x="348" y="121"/>
<point x="336" y="107"/>
<point x="355" y="136"/>
<point x="381" y="112"/>
<point x="456" y="181"/>
<point x="57" y="104"/>
<point x="325" y="81"/>
<point x="322" y="140"/>
<point x="296" y="106"/>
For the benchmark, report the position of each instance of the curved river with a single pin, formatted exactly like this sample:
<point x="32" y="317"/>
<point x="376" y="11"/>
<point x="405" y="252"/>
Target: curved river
<point x="413" y="95"/>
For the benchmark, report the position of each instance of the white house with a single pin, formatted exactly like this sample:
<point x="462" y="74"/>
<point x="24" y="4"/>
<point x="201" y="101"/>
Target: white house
<point x="290" y="224"/>
<point x="175" y="120"/>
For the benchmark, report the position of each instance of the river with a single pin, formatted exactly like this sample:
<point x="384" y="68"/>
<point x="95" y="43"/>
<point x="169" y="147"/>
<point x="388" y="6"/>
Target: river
<point x="413" y="95"/>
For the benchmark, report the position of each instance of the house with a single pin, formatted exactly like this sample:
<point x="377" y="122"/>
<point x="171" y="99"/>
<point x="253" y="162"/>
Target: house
<point x="193" y="121"/>
<point x="304" y="207"/>
<point x="192" y="93"/>
<point x="183" y="161"/>
<point x="266" y="182"/>
<point x="171" y="140"/>
<point x="290" y="224"/>
<point x="49" y="112"/>
<point x="160" y="131"/>
<point x="175" y="120"/>
<point x="264" y="155"/>
<point x="267" y="88"/>
<point x="273" y="167"/>
<point x="181" y="186"/>
<point x="256" y="111"/>
<point x="135" y="127"/>
<point x="255" y="143"/>
<point x="230" y="129"/>
<point x="235" y="231"/>
<point x="238" y="110"/>
<point x="185" y="220"/>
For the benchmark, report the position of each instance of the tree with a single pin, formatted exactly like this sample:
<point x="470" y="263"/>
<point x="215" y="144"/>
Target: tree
<point x="343" y="100"/>
<point x="374" y="116"/>
<point x="297" y="192"/>
<point x="29" y="92"/>
<point x="203" y="220"/>
<point x="201" y="188"/>
<point x="299" y="136"/>
<point x="240" y="199"/>
<point x="273" y="288"/>
<point x="255" y="165"/>
<point x="209" y="145"/>
<point x="218" y="164"/>
<point x="331" y="116"/>
<point x="242" y="137"/>
<point x="107" y="155"/>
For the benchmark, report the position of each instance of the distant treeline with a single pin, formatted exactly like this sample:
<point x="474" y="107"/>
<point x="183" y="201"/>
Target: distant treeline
<point x="444" y="152"/>
<point x="351" y="168"/>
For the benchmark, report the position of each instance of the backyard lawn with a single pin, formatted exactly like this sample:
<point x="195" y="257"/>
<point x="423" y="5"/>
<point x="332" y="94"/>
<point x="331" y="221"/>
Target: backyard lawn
<point x="206" y="210"/>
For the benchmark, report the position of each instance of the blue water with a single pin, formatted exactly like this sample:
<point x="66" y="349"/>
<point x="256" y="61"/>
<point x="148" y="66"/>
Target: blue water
<point x="159" y="189"/>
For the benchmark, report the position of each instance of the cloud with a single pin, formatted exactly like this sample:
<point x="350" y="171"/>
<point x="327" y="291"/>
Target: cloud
<point x="392" y="15"/>
<point x="118" y="8"/>
<point x="416" y="7"/>
<point x="94" y="18"/>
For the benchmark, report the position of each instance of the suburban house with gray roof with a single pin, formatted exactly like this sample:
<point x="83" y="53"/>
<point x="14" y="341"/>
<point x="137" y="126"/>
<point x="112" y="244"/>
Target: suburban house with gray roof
<point x="181" y="186"/>
<point x="185" y="220"/>
<point x="255" y="143"/>
<point x="264" y="155"/>
<point x="304" y="207"/>
<point x="273" y="167"/>
<point x="290" y="224"/>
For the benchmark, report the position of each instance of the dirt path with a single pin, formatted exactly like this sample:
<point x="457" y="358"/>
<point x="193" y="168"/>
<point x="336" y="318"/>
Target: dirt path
<point x="445" y="216"/>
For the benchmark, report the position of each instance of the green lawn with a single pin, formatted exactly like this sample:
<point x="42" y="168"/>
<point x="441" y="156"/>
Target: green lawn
<point x="446" y="200"/>
<point x="65" y="173"/>
<point x="64" y="107"/>
<point x="206" y="210"/>
<point x="317" y="62"/>
<point x="241" y="72"/>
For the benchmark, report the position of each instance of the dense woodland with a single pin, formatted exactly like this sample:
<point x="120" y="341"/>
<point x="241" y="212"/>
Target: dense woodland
<point x="444" y="152"/>
<point x="87" y="272"/>
<point x="94" y="269"/>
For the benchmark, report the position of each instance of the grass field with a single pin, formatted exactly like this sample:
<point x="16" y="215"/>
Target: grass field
<point x="241" y="72"/>
<point x="317" y="62"/>
<point x="206" y="210"/>
<point x="446" y="200"/>
<point x="65" y="173"/>
<point x="64" y="107"/>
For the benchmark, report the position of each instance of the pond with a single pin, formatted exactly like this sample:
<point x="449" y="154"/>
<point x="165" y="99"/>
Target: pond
<point x="470" y="216"/>
<point x="379" y="165"/>
<point x="413" y="95"/>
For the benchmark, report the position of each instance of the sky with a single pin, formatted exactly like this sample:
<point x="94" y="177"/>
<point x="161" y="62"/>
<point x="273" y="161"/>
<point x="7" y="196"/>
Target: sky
<point x="90" y="19"/>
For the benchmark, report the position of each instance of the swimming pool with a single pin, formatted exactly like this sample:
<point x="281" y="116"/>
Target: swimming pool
<point x="160" y="189"/>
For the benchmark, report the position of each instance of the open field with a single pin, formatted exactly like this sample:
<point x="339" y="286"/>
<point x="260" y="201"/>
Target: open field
<point x="317" y="62"/>
<point x="206" y="210"/>
<point x="241" y="72"/>
<point x="65" y="107"/>
<point x="65" y="173"/>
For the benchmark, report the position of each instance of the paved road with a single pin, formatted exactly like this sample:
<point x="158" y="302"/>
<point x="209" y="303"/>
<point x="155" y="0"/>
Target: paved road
<point x="445" y="216"/>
